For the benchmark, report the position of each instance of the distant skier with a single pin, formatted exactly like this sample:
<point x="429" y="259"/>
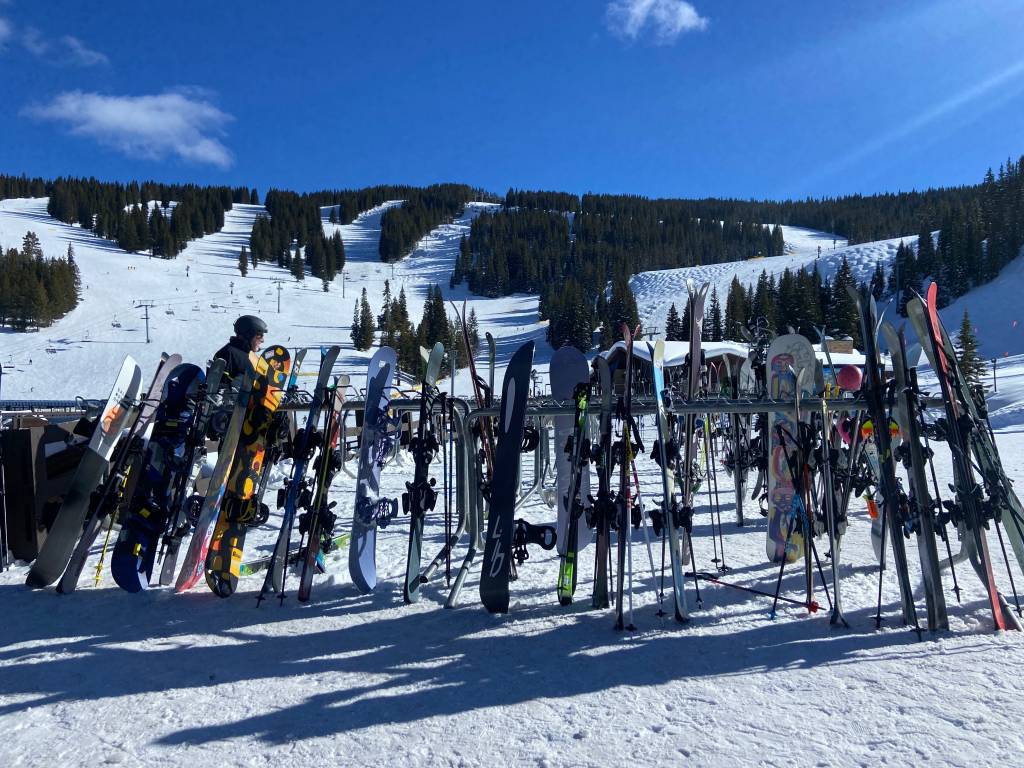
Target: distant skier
<point x="249" y="333"/>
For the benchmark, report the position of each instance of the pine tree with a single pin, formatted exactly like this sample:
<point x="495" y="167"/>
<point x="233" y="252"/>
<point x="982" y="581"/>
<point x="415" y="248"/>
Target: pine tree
<point x="30" y="247"/>
<point x="778" y="243"/>
<point x="474" y="330"/>
<point x="735" y="314"/>
<point x="878" y="282"/>
<point x="843" y="315"/>
<point x="243" y="262"/>
<point x="357" y="333"/>
<point x="713" y="321"/>
<point x="673" y="325"/>
<point x="971" y="364"/>
<point x="298" y="266"/>
<point x="367" y="327"/>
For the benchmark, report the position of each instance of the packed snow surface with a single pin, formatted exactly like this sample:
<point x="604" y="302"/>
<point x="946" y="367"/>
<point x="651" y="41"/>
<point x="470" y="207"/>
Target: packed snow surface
<point x="158" y="679"/>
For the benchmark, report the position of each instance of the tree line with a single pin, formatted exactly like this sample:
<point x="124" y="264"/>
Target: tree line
<point x="396" y="329"/>
<point x="423" y="210"/>
<point x="35" y="290"/>
<point x="122" y="212"/>
<point x="975" y="240"/>
<point x="347" y="204"/>
<point x="295" y="223"/>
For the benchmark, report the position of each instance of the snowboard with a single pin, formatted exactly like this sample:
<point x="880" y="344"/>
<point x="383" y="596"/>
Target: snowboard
<point x="494" y="579"/>
<point x="178" y="522"/>
<point x="241" y="503"/>
<point x="371" y="512"/>
<point x="131" y="563"/>
<point x="120" y="480"/>
<point x="789" y="355"/>
<point x="60" y="541"/>
<point x="192" y="567"/>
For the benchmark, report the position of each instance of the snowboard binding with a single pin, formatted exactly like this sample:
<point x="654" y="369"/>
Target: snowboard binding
<point x="527" y="533"/>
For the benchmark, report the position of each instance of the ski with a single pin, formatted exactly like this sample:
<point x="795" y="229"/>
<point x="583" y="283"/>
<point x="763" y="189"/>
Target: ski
<point x="968" y="508"/>
<point x="121" y="476"/>
<point x="577" y="450"/>
<point x="570" y="382"/>
<point x="602" y="508"/>
<point x="671" y="519"/>
<point x="301" y="454"/>
<point x="920" y="503"/>
<point x="623" y="505"/>
<point x="317" y="524"/>
<point x="873" y="393"/>
<point x="420" y="496"/>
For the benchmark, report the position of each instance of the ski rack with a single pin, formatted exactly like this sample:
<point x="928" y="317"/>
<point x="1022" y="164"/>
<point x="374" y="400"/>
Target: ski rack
<point x="468" y="503"/>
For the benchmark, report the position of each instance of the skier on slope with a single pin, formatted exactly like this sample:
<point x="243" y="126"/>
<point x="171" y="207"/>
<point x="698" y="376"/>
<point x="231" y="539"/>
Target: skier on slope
<point x="249" y="333"/>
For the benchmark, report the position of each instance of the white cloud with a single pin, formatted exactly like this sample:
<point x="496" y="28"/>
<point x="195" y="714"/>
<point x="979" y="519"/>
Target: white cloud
<point x="32" y="40"/>
<point x="666" y="19"/>
<point x="181" y="123"/>
<point x="72" y="50"/>
<point x="81" y="54"/>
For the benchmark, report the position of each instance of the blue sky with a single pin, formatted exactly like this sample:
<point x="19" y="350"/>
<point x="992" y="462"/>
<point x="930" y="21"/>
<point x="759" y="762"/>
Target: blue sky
<point x="654" y="97"/>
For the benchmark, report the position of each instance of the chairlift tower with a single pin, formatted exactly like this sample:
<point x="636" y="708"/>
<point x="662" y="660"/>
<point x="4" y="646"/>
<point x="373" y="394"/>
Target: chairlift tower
<point x="145" y="306"/>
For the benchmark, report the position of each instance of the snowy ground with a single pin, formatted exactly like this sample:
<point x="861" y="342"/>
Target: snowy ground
<point x="101" y="676"/>
<point x="162" y="679"/>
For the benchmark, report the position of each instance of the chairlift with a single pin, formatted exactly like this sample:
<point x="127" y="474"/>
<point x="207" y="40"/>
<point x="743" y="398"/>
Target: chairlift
<point x="168" y="311"/>
<point x="196" y="308"/>
<point x="115" y="324"/>
<point x="214" y="306"/>
<point x="51" y="350"/>
<point x="249" y="296"/>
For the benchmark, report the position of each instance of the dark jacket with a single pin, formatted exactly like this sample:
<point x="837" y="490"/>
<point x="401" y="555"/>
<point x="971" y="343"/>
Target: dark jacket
<point x="236" y="354"/>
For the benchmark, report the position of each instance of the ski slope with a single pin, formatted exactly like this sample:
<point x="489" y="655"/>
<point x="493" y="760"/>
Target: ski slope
<point x="196" y="297"/>
<point x="656" y="291"/>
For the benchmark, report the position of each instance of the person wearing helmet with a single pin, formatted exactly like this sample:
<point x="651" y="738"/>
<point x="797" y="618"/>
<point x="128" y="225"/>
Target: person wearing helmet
<point x="249" y="333"/>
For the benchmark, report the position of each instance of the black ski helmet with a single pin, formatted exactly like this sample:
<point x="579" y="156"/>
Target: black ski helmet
<point x="249" y="326"/>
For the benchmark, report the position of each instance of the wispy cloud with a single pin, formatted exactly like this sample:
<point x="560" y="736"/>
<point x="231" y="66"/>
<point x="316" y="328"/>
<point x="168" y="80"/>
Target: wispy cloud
<point x="182" y="123"/>
<point x="666" y="20"/>
<point x="33" y="42"/>
<point x="68" y="51"/>
<point x="82" y="54"/>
